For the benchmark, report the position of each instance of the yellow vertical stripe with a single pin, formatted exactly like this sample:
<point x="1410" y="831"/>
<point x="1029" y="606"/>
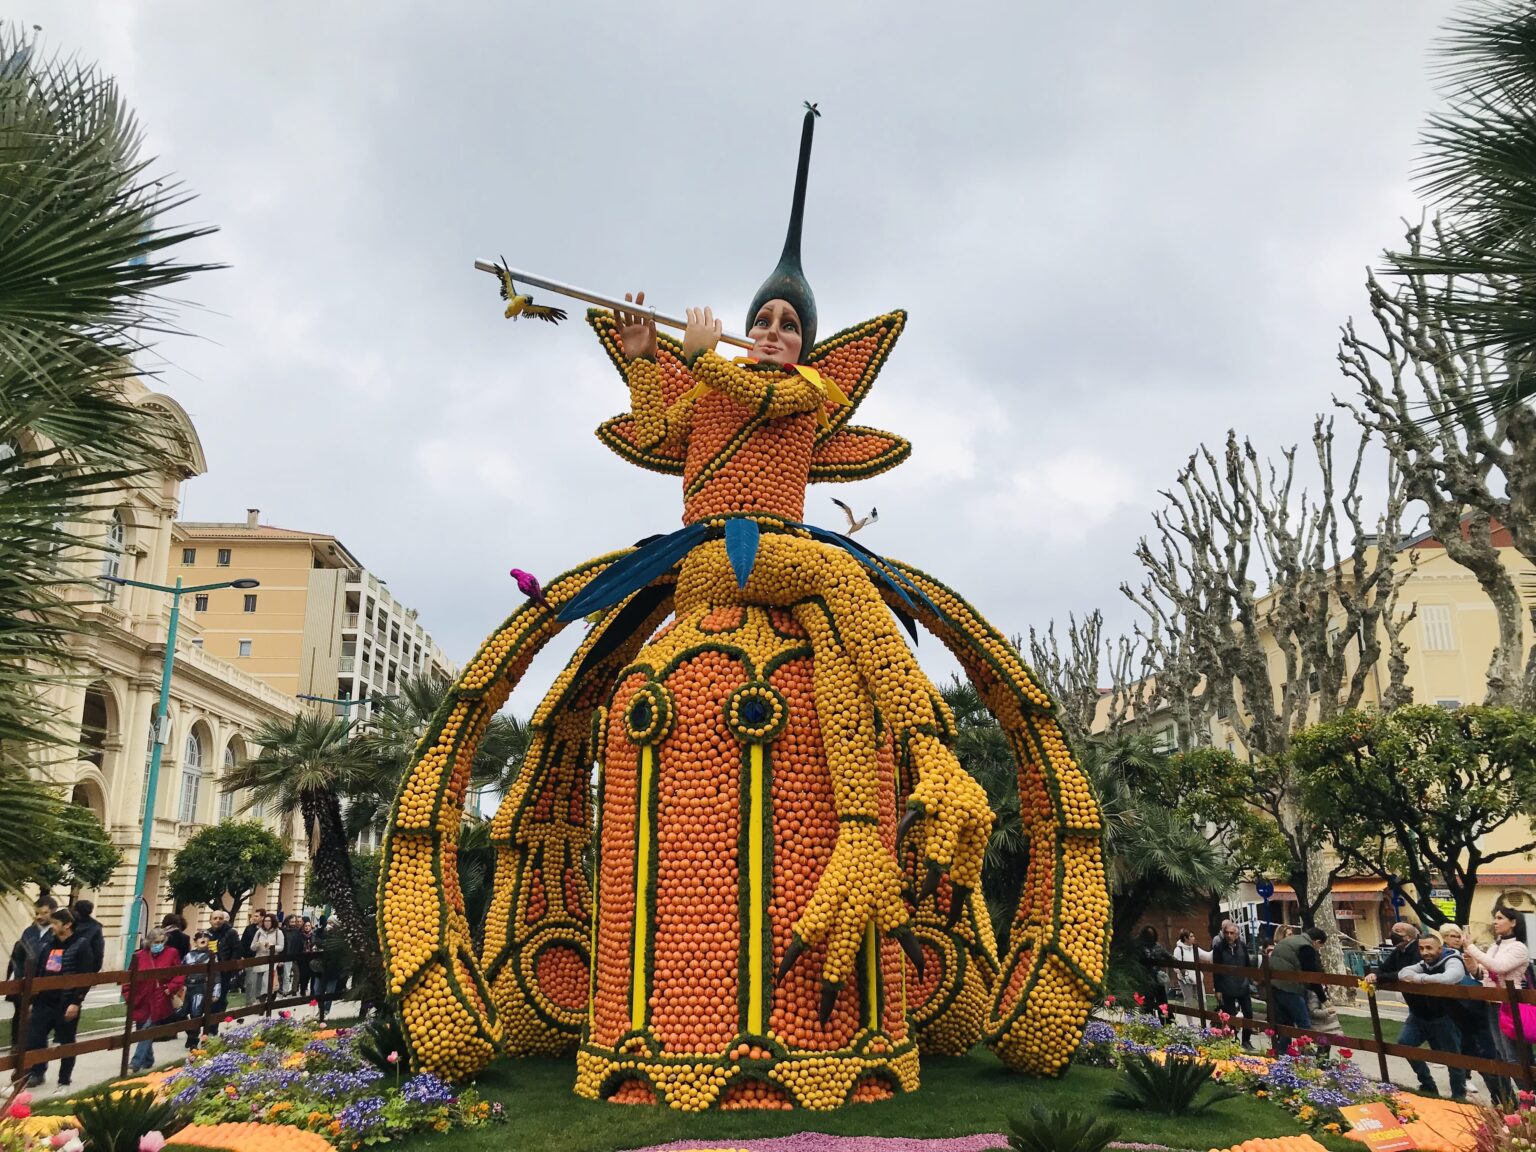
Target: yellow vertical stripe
<point x="871" y="973"/>
<point x="755" y="866"/>
<point x="642" y="887"/>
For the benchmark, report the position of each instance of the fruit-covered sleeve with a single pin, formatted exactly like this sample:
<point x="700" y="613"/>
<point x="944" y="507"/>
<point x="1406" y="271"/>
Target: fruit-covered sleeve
<point x="771" y="393"/>
<point x="657" y="424"/>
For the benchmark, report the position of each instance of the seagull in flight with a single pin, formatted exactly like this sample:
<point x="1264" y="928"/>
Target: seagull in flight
<point x="855" y="524"/>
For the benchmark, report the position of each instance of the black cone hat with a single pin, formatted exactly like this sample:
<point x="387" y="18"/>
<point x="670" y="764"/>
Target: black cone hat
<point x="787" y="281"/>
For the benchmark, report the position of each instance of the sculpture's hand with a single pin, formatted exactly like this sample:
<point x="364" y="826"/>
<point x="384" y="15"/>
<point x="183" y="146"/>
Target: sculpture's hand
<point x="955" y="817"/>
<point x="703" y="332"/>
<point x="861" y="884"/>
<point x="637" y="331"/>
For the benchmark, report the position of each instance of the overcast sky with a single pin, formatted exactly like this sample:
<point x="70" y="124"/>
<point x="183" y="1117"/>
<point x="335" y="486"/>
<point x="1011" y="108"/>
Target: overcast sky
<point x="1119" y="228"/>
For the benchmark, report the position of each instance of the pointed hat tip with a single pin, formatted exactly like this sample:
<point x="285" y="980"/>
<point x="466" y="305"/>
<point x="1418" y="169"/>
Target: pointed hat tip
<point x="812" y="109"/>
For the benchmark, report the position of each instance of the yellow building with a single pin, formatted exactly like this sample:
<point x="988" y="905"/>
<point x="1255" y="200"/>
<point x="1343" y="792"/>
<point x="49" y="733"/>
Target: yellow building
<point x="319" y="625"/>
<point x="214" y="705"/>
<point x="1449" y="645"/>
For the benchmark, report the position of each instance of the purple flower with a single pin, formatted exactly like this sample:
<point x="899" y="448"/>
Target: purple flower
<point x="427" y="1089"/>
<point x="364" y="1115"/>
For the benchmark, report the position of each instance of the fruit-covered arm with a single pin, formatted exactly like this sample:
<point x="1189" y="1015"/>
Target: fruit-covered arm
<point x="657" y="423"/>
<point x="765" y="390"/>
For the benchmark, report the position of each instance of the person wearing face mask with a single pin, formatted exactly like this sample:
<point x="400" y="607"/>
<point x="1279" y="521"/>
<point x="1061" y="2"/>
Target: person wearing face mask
<point x="1507" y="959"/>
<point x="155" y="1001"/>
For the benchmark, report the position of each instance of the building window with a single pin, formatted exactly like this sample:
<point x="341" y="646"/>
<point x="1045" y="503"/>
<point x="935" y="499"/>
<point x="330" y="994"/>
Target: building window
<point x="191" y="776"/>
<point x="245" y="647"/>
<point x="188" y="557"/>
<point x="1448" y="705"/>
<point x="250" y="603"/>
<point x="1435" y="626"/>
<point x="224" y="557"/>
<point x="227" y="799"/>
<point x="112" y="560"/>
<point x="200" y="602"/>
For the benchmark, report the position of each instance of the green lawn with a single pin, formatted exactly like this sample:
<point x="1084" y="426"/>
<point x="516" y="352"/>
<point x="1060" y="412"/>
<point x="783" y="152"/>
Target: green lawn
<point x="958" y="1097"/>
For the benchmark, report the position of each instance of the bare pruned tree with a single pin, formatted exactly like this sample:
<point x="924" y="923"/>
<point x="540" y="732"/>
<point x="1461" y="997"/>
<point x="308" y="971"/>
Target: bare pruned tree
<point x="1421" y="381"/>
<point x="1099" y="685"/>
<point x="1265" y="606"/>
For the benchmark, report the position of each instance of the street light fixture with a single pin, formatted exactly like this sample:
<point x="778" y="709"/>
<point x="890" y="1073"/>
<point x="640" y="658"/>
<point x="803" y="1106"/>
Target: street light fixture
<point x="162" y="723"/>
<point x="346" y="702"/>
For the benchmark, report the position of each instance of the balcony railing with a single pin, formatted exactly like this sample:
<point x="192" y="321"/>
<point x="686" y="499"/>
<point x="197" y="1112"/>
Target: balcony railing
<point x="349" y="620"/>
<point x="347" y="663"/>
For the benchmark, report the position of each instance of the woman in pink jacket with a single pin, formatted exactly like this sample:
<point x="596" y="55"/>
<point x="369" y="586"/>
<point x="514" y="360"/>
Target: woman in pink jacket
<point x="1507" y="959"/>
<point x="155" y="1001"/>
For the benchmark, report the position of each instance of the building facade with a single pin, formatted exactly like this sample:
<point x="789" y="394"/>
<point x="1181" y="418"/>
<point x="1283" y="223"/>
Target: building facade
<point x="215" y="707"/>
<point x="319" y="625"/>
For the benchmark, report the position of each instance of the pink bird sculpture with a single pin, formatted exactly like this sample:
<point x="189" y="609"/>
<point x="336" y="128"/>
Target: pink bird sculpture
<point x="528" y="585"/>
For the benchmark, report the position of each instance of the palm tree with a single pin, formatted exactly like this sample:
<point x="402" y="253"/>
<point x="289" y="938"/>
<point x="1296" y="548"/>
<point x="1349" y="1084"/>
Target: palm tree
<point x="982" y="748"/>
<point x="1480" y="164"/>
<point x="82" y="263"/>
<point x="397" y="725"/>
<point x="306" y="766"/>
<point x="1156" y="854"/>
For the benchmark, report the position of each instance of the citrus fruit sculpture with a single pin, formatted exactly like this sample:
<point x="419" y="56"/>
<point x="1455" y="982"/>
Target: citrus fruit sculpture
<point x="745" y="761"/>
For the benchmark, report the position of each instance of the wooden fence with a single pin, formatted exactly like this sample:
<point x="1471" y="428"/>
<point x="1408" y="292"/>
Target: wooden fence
<point x="20" y="1059"/>
<point x="1263" y="978"/>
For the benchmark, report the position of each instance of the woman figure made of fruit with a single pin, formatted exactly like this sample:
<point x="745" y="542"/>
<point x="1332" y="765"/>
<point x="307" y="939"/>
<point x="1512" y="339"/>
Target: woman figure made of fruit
<point x="785" y="850"/>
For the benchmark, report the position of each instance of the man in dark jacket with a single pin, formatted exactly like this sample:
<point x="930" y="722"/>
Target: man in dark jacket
<point x="1405" y="952"/>
<point x="250" y="931"/>
<point x="224" y="943"/>
<point x="29" y="948"/>
<point x="1235" y="991"/>
<point x="90" y="931"/>
<point x="56" y="1011"/>
<point x="1296" y="953"/>
<point x="1432" y="1019"/>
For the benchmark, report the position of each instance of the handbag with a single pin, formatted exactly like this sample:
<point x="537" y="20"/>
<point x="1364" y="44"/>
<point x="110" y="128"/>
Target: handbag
<point x="1527" y="1013"/>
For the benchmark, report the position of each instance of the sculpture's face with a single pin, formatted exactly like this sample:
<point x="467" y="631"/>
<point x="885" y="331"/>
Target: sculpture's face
<point x="776" y="337"/>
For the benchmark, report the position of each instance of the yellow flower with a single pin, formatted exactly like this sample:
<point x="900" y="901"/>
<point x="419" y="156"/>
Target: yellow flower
<point x="1334" y="1127"/>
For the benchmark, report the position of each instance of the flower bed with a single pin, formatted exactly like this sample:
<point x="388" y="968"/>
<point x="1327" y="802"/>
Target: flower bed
<point x="1309" y="1082"/>
<point x="282" y="1072"/>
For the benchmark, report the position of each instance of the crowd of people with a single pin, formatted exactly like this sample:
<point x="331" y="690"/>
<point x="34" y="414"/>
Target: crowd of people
<point x="69" y="940"/>
<point x="1416" y="957"/>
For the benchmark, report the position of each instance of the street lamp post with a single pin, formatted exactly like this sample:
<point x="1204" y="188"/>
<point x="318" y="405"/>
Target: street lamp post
<point x="162" y="723"/>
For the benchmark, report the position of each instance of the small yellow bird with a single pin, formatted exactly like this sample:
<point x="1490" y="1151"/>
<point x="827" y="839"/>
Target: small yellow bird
<point x="520" y="303"/>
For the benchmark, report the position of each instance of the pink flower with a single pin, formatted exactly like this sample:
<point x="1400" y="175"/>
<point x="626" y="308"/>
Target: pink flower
<point x="1109" y="1001"/>
<point x="151" y="1142"/>
<point x="1163" y="1008"/>
<point x="393" y="1057"/>
<point x="1223" y="1016"/>
<point x="1140" y="999"/>
<point x="1525" y="1098"/>
<point x="314" y="1003"/>
<point x="285" y="1014"/>
<point x="22" y="1098"/>
<point x="64" y="1136"/>
<point x="19" y="1111"/>
<point x="229" y="1019"/>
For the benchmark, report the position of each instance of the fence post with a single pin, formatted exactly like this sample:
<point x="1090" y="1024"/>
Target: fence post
<point x="271" y="983"/>
<point x="1199" y="986"/>
<point x="1269" y="1004"/>
<point x="1521" y="1041"/>
<point x="133" y="973"/>
<point x="1381" y="1044"/>
<point x="207" y="996"/>
<point x="21" y="1026"/>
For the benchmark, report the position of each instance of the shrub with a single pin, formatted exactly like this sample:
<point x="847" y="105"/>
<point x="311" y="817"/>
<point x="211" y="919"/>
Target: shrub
<point x="1060" y="1130"/>
<point x="1174" y="1086"/>
<point x="115" y="1123"/>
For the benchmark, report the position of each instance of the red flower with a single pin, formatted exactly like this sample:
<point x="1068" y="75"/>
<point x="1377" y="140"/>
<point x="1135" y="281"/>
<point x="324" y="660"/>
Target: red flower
<point x="1140" y="999"/>
<point x="19" y="1111"/>
<point x="1346" y="1053"/>
<point x="1109" y="1001"/>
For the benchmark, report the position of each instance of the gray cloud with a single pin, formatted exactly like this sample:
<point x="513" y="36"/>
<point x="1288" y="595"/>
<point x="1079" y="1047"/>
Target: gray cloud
<point x="1119" y="229"/>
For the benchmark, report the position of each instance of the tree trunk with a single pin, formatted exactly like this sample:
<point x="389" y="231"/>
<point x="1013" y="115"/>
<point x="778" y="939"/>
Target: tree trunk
<point x="333" y="865"/>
